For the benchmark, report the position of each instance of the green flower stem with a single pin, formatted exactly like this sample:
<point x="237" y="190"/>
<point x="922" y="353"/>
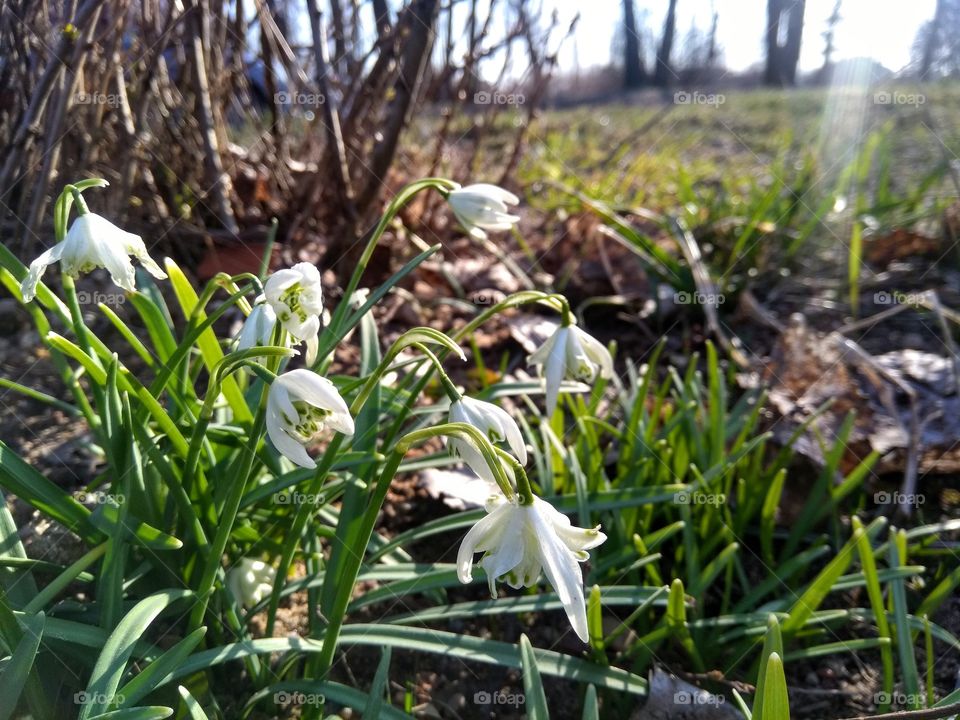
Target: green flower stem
<point x="413" y="337"/>
<point x="62" y="580"/>
<point x="351" y="569"/>
<point x="452" y="393"/>
<point x="400" y="199"/>
<point x="231" y="504"/>
<point x="226" y="520"/>
<point x="353" y="558"/>
<point x="190" y="337"/>
<point x="555" y="301"/>
<point x="82" y="208"/>
<point x="552" y="300"/>
<point x="83" y="339"/>
<point x="524" y="490"/>
<point x="292" y="536"/>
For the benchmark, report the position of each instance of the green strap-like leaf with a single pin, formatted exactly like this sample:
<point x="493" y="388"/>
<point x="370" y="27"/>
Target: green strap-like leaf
<point x="15" y="674"/>
<point x="534" y="696"/>
<point x="110" y="666"/>
<point x="775" y="700"/>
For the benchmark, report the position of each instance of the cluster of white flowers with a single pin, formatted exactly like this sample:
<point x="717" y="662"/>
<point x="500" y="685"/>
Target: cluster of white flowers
<point x="521" y="536"/>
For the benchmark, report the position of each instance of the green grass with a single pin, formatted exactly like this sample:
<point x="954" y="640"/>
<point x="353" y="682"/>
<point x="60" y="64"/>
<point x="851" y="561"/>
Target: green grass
<point x="709" y="564"/>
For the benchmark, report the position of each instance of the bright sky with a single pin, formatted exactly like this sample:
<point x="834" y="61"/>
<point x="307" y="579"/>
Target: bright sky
<point x="881" y="29"/>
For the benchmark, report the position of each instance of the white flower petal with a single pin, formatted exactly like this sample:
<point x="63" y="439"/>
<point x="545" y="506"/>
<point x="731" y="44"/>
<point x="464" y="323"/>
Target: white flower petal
<point x="563" y="571"/>
<point x="477" y="540"/>
<point x="289" y="447"/>
<point x="596" y="352"/>
<point x="494" y="192"/>
<point x="314" y="389"/>
<point x="312" y="347"/>
<point x="554" y="370"/>
<point x="28" y="288"/>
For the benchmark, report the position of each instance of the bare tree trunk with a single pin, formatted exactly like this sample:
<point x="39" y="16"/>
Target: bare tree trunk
<point x="218" y="179"/>
<point x="772" y="74"/>
<point x="635" y="75"/>
<point x="932" y="40"/>
<point x="663" y="74"/>
<point x="791" y="51"/>
<point x="417" y="44"/>
<point x="828" y="44"/>
<point x="712" y="50"/>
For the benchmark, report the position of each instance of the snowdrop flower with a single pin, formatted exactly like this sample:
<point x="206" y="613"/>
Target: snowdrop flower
<point x="250" y="581"/>
<point x="518" y="541"/>
<point x="570" y="354"/>
<point x="483" y="207"/>
<point x="300" y="403"/>
<point x="296" y="296"/>
<point x="494" y="422"/>
<point x="257" y="329"/>
<point x="92" y="242"/>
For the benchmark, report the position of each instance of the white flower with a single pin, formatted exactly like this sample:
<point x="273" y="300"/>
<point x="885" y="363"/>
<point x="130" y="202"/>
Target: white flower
<point x="92" y="242"/>
<point x="483" y="207"/>
<point x="299" y="404"/>
<point x="520" y="540"/>
<point x="258" y="328"/>
<point x="296" y="296"/>
<point x="494" y="422"/>
<point x="250" y="581"/>
<point x="570" y="354"/>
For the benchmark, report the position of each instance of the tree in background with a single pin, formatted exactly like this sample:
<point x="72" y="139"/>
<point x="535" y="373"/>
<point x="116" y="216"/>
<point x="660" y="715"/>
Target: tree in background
<point x="828" y="44"/>
<point x="635" y="74"/>
<point x="936" y="48"/>
<point x="663" y="73"/>
<point x="783" y="39"/>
